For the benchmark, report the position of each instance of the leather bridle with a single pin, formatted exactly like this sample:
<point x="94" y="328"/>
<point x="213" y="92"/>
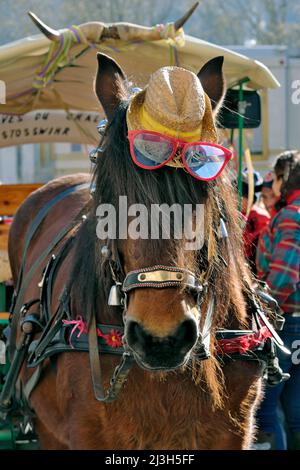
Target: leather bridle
<point x="156" y="277"/>
<point x="161" y="277"/>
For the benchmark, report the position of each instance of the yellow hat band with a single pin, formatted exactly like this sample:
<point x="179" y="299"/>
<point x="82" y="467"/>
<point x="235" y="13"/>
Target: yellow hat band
<point x="148" y="123"/>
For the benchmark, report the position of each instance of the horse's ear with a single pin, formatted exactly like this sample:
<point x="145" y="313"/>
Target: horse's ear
<point x="212" y="80"/>
<point x="110" y="84"/>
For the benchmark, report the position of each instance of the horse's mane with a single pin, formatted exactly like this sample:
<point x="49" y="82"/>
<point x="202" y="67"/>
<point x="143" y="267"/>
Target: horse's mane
<point x="115" y="174"/>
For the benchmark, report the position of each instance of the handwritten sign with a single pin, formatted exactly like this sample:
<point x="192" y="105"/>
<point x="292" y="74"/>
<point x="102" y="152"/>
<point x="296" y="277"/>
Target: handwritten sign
<point x="49" y="126"/>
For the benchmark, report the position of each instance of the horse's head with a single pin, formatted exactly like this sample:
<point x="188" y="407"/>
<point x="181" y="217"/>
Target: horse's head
<point x="177" y="107"/>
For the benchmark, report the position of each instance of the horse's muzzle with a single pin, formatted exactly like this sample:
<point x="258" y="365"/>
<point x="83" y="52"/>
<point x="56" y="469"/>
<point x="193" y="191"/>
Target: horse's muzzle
<point x="161" y="353"/>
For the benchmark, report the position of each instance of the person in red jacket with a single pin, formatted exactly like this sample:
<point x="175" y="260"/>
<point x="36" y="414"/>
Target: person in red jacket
<point x="256" y="221"/>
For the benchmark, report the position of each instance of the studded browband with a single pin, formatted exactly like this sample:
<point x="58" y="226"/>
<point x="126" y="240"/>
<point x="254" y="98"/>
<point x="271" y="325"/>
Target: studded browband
<point x="159" y="277"/>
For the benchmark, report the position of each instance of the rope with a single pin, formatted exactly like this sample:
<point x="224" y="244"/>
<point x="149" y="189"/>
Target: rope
<point x="58" y="57"/>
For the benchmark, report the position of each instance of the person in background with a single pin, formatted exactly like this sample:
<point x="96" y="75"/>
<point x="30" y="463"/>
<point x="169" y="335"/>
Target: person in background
<point x="278" y="264"/>
<point x="257" y="219"/>
<point x="271" y="203"/>
<point x="267" y="194"/>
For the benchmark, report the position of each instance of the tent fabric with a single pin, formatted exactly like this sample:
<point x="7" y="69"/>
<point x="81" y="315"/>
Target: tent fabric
<point x="71" y="84"/>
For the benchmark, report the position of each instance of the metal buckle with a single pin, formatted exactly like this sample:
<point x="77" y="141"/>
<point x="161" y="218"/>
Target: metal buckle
<point x="101" y="127"/>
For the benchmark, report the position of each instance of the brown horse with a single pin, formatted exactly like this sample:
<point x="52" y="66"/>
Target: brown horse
<point x="170" y="400"/>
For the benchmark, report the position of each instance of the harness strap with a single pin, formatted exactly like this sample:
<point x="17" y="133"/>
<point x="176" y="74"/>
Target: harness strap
<point x="44" y="289"/>
<point x="28" y="279"/>
<point x="48" y="333"/>
<point x="50" y="279"/>
<point x="73" y="337"/>
<point x="30" y="385"/>
<point x="95" y="361"/>
<point x="205" y="342"/>
<point x="262" y="318"/>
<point x="65" y="340"/>
<point x="19" y="296"/>
<point x="41" y="215"/>
<point x="119" y="376"/>
<point x="14" y="370"/>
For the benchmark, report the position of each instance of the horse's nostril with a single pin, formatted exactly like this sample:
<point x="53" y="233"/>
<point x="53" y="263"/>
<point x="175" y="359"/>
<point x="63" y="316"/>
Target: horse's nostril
<point x="135" y="334"/>
<point x="180" y="342"/>
<point x="186" y="335"/>
<point x="138" y="332"/>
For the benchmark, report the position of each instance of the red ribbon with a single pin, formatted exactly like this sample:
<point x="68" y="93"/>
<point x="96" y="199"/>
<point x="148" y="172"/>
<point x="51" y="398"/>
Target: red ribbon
<point x="244" y="343"/>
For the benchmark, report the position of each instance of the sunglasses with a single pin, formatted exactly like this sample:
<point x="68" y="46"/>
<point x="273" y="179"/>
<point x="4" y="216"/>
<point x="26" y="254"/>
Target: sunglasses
<point x="152" y="150"/>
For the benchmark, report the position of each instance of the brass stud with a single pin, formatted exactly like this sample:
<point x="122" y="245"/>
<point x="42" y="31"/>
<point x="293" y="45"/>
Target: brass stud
<point x="179" y="276"/>
<point x="105" y="252"/>
<point x="27" y="327"/>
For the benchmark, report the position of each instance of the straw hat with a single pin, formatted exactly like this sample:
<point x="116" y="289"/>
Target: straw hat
<point x="173" y="103"/>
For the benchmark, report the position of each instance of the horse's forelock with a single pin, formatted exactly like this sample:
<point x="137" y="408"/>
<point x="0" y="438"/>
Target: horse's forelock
<point x="116" y="175"/>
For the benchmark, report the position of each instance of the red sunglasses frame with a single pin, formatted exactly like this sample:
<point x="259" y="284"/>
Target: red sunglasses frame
<point x="176" y="143"/>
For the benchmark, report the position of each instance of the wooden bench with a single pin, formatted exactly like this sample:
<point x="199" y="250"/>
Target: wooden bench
<point x="11" y="197"/>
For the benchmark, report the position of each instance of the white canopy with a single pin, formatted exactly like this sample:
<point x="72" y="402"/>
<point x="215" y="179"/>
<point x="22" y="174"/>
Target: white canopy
<point x="58" y="75"/>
